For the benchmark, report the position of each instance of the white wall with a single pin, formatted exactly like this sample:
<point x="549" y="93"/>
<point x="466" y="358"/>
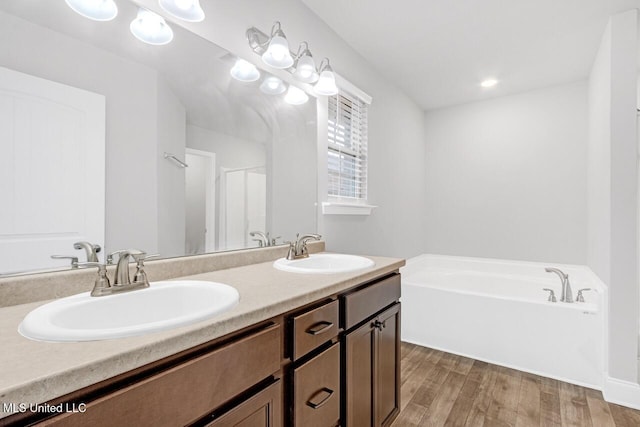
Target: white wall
<point x="172" y="135"/>
<point x="506" y="178"/>
<point x="396" y="137"/>
<point x="131" y="196"/>
<point x="613" y="191"/>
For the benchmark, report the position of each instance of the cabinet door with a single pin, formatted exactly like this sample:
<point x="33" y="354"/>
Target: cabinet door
<point x="262" y="410"/>
<point x="372" y="371"/>
<point x="359" y="375"/>
<point x="387" y="385"/>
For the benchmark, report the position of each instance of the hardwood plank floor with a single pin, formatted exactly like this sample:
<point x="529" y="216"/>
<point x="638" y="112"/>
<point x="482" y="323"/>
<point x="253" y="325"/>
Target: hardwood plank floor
<point x="442" y="389"/>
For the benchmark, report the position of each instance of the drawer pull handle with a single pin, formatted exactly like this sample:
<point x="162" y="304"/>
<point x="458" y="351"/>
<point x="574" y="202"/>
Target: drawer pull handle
<point x="319" y="328"/>
<point x="325" y="399"/>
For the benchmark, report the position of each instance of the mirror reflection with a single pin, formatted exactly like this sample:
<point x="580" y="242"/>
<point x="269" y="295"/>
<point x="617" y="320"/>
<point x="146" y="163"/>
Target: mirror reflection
<point x="109" y="140"/>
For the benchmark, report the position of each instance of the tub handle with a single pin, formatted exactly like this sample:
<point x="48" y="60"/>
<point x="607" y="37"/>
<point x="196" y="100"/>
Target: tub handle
<point x="580" y="297"/>
<point x="552" y="295"/>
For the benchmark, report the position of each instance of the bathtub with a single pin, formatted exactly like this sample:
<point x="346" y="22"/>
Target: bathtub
<point x="497" y="312"/>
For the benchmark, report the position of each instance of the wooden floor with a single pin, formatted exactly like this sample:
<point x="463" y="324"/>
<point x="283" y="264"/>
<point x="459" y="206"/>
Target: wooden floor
<point x="441" y="389"/>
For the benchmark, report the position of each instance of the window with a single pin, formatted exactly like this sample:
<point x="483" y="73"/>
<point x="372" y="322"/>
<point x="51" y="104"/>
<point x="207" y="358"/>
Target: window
<point x="347" y="149"/>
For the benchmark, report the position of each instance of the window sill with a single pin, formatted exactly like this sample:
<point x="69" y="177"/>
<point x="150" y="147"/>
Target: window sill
<point x="336" y="208"/>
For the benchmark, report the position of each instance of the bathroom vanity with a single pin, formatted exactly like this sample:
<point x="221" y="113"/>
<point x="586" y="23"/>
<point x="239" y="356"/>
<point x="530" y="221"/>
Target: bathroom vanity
<point x="298" y="350"/>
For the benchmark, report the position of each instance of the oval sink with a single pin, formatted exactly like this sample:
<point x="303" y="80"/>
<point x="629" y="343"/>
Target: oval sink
<point x="162" y="306"/>
<point x="324" y="264"/>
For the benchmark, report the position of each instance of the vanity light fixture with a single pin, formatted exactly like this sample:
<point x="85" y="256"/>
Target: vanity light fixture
<point x="489" y="83"/>
<point x="295" y="96"/>
<point x="272" y="85"/>
<point x="187" y="10"/>
<point x="151" y="28"/>
<point x="305" y="65"/>
<point x="274" y="48"/>
<point x="326" y="84"/>
<point x="98" y="10"/>
<point x="244" y="71"/>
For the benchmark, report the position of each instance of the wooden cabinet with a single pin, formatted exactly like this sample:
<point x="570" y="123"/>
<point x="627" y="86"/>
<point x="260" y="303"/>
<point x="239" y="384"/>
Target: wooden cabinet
<point x="336" y="363"/>
<point x="187" y="391"/>
<point x="372" y="357"/>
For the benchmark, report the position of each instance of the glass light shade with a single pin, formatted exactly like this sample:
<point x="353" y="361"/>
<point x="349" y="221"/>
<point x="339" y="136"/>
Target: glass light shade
<point x="326" y="84"/>
<point x="273" y="86"/>
<point x="151" y="28"/>
<point x="244" y="71"/>
<point x="295" y="96"/>
<point x="98" y="10"/>
<point x="306" y="69"/>
<point x="277" y="54"/>
<point x="187" y="10"/>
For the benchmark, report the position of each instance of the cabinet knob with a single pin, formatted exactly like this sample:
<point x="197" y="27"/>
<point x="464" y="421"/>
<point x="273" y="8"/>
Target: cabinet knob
<point x="379" y="325"/>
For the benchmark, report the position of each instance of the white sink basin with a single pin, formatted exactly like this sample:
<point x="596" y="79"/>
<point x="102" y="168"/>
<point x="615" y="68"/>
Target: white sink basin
<point x="324" y="264"/>
<point x="162" y="306"/>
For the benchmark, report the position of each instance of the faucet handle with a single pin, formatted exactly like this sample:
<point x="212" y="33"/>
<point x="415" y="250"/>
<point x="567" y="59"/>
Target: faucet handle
<point x="141" y="276"/>
<point x="552" y="295"/>
<point x="102" y="284"/>
<point x="74" y="259"/>
<point x="580" y="297"/>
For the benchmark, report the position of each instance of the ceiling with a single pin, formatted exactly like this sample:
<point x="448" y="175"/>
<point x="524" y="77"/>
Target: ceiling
<point x="438" y="51"/>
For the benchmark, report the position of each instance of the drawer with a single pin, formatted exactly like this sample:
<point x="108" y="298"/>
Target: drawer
<point x="317" y="390"/>
<point x="313" y="328"/>
<point x="363" y="303"/>
<point x="262" y="410"/>
<point x="188" y="391"/>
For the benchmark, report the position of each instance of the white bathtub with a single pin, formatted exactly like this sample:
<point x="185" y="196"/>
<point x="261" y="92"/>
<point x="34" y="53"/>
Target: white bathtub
<point x="496" y="311"/>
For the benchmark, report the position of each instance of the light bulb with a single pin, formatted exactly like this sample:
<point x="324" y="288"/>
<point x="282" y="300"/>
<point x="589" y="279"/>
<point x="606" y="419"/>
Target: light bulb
<point x="326" y="83"/>
<point x="244" y="71"/>
<point x="295" y="96"/>
<point x="273" y="86"/>
<point x="98" y="10"/>
<point x="277" y="54"/>
<point x="306" y="69"/>
<point x="151" y="28"/>
<point x="187" y="10"/>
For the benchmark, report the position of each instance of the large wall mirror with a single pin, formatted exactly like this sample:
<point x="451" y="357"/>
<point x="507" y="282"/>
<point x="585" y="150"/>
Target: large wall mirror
<point x="95" y="125"/>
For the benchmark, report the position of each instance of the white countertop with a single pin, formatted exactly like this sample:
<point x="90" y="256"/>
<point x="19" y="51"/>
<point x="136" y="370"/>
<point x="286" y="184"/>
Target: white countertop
<point x="36" y="372"/>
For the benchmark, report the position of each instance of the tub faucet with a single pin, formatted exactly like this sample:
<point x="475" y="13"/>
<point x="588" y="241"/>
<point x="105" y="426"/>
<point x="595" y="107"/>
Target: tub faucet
<point x="566" y="294"/>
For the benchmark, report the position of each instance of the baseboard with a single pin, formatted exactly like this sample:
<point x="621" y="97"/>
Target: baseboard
<point x="621" y="392"/>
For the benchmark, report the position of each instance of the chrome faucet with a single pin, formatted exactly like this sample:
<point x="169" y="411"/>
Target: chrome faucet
<point x="566" y="295"/>
<point x="122" y="281"/>
<point x="299" y="248"/>
<point x="90" y="249"/>
<point x="263" y="238"/>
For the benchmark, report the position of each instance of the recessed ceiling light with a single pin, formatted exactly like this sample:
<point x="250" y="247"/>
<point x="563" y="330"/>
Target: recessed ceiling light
<point x="489" y="83"/>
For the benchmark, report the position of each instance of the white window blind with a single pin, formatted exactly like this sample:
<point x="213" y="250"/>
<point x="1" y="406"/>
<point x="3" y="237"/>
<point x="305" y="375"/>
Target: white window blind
<point x="347" y="148"/>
